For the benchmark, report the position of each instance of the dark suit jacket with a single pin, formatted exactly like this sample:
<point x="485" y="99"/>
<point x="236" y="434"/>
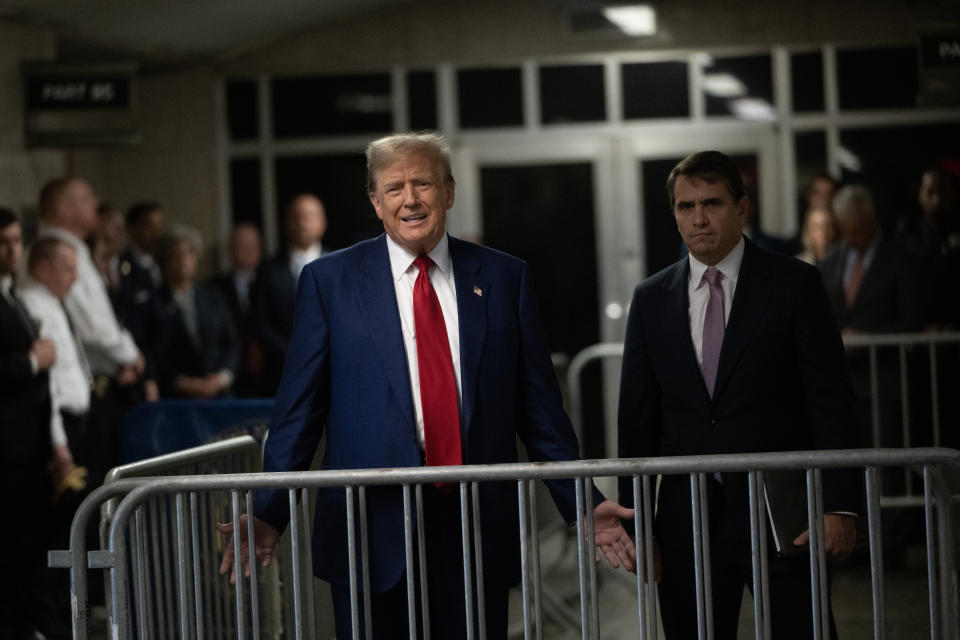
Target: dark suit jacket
<point x="24" y="397"/>
<point x="250" y="375"/>
<point x="889" y="299"/>
<point x="347" y="376"/>
<point x="273" y="314"/>
<point x="781" y="385"/>
<point x="218" y="347"/>
<point x="137" y="304"/>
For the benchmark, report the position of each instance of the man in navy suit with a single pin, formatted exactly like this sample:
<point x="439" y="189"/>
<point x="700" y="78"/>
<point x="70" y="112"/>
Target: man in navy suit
<point x="732" y="349"/>
<point x="359" y="369"/>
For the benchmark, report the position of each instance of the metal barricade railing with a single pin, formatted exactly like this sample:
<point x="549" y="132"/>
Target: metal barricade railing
<point x="904" y="345"/>
<point x="233" y="455"/>
<point x="119" y="556"/>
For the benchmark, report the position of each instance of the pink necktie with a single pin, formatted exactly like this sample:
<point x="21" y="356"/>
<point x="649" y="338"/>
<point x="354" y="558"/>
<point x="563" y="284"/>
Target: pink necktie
<point x="438" y="387"/>
<point x="712" y="329"/>
<point x="853" y="283"/>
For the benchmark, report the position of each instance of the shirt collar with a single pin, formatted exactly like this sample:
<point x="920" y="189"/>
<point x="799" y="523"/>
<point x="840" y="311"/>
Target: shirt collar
<point x="401" y="259"/>
<point x="729" y="266"/>
<point x="5" y="282"/>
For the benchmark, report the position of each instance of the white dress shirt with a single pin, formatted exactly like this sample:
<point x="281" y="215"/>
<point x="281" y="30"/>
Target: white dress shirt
<point x="441" y="277"/>
<point x="699" y="292"/>
<point x="299" y="258"/>
<point x="69" y="384"/>
<point x="108" y="345"/>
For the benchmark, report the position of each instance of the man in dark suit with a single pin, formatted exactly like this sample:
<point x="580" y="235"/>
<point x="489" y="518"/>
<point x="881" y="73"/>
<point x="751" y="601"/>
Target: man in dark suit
<point x="730" y="350"/>
<point x="418" y="347"/>
<point x="239" y="288"/>
<point x="305" y="222"/>
<point x="25" y="446"/>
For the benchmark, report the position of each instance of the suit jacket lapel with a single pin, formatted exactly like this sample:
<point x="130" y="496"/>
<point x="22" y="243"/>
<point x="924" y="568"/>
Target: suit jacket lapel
<point x="749" y="302"/>
<point x="376" y="296"/>
<point x="472" y="295"/>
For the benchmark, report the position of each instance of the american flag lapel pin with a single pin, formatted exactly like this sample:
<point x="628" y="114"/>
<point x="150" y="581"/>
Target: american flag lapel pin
<point x="477" y="291"/>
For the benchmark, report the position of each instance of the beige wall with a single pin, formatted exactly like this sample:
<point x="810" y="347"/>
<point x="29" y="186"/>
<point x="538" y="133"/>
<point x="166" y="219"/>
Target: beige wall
<point x="176" y="162"/>
<point x="22" y="171"/>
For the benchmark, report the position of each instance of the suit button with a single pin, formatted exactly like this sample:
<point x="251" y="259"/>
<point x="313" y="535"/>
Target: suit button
<point x="714" y="422"/>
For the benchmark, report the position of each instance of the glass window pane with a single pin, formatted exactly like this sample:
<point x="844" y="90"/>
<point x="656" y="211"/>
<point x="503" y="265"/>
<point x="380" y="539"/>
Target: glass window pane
<point x="810" y="150"/>
<point x="242" y="112"/>
<point x="245" y="191"/>
<point x="332" y="105"/>
<point x="572" y="93"/>
<point x="890" y="160"/>
<point x="422" y="100"/>
<point x="655" y="90"/>
<point x="806" y="79"/>
<point x="490" y="97"/>
<point x="338" y="180"/>
<point x="739" y="86"/>
<point x="877" y="78"/>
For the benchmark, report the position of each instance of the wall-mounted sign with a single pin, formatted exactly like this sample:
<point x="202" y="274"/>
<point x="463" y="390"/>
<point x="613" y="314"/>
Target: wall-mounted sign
<point x="940" y="69"/>
<point x="80" y="105"/>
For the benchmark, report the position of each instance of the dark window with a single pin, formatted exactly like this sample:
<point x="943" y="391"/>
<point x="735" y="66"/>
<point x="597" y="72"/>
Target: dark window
<point x="422" y="100"/>
<point x="332" y="105"/>
<point x="877" y="78"/>
<point x="490" y="97"/>
<point x="806" y="80"/>
<point x="242" y="112"/>
<point x="810" y="150"/>
<point x="740" y="86"/>
<point x="655" y="90"/>
<point x="245" y="192"/>
<point x="890" y="161"/>
<point x="572" y="93"/>
<point x="338" y="180"/>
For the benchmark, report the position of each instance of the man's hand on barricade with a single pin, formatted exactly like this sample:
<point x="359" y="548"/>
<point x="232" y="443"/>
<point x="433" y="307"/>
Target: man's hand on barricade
<point x="610" y="536"/>
<point x="265" y="539"/>
<point x="839" y="535"/>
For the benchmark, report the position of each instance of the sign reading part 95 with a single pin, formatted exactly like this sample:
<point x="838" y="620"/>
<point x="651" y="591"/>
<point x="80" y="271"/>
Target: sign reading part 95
<point x="78" y="92"/>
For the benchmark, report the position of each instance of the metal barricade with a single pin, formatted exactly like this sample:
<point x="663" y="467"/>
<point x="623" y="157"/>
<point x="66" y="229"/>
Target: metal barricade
<point x="119" y="557"/>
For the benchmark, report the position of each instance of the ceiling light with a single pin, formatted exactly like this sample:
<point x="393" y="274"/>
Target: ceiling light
<point x="633" y="20"/>
<point x="723" y="85"/>
<point x="753" y="109"/>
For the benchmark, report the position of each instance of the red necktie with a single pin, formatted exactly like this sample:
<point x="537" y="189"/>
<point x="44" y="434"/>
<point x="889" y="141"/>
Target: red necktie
<point x="438" y="388"/>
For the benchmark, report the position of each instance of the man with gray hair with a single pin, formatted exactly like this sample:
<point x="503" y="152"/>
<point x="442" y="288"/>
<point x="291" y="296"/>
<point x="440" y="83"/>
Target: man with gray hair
<point x="418" y="348"/>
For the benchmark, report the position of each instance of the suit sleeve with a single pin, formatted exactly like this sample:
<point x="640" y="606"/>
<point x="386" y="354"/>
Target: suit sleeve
<point x="302" y="402"/>
<point x="545" y="430"/>
<point x="827" y="389"/>
<point x="639" y="416"/>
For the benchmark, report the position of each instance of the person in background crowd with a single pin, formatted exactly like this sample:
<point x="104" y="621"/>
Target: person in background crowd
<point x="375" y="363"/>
<point x="25" y="446"/>
<point x="819" y="235"/>
<point x="145" y="226"/>
<point x="52" y="270"/>
<point x="68" y="211"/>
<point x="305" y="223"/>
<point x="200" y="352"/>
<point x="932" y="239"/>
<point x="239" y="288"/>
<point x="871" y="283"/>
<point x="718" y="346"/>
<point x="132" y="293"/>
<point x="820" y="192"/>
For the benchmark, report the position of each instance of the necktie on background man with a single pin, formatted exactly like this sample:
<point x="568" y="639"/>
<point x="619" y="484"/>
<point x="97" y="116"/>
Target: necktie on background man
<point x="438" y="387"/>
<point x="855" y="280"/>
<point x="81" y="352"/>
<point x="713" y="325"/>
